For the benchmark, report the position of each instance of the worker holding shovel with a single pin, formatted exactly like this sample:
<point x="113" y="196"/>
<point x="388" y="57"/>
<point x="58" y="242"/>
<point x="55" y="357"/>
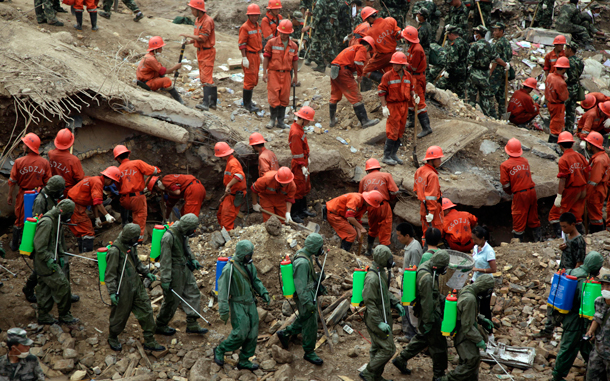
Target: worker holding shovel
<point x="276" y="190"/>
<point x="152" y="73"/>
<point x="234" y="181"/>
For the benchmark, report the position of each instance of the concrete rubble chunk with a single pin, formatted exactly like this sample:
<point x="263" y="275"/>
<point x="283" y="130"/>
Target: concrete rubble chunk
<point x="78" y="375"/>
<point x="280" y="355"/>
<point x="544" y="36"/>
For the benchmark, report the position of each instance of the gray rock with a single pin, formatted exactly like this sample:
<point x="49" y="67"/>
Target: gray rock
<point x="201" y="370"/>
<point x="110" y="360"/>
<point x="262" y="313"/>
<point x="121" y="366"/>
<point x="56" y="330"/>
<point x="70" y="353"/>
<point x="217" y="240"/>
<point x="97" y="370"/>
<point x="359" y="173"/>
<point x="264" y="267"/>
<point x="353" y="352"/>
<point x="280" y="355"/>
<point x="191" y="358"/>
<point x="287" y="310"/>
<point x="273" y="226"/>
<point x="64" y="366"/>
<point x="488" y="147"/>
<point x="268" y="364"/>
<point x="63" y="337"/>
<point x="243" y="148"/>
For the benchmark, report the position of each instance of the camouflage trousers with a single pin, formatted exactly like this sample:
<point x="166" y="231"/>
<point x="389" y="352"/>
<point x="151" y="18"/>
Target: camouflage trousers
<point x="497" y="81"/>
<point x="432" y="72"/>
<point x="571" y="104"/>
<point x="478" y="84"/>
<point x="399" y="14"/>
<point x="545" y="16"/>
<point x="131" y="4"/>
<point x="579" y="33"/>
<point x="598" y="367"/>
<point x="456" y="83"/>
<point x="322" y="50"/>
<point x="45" y="10"/>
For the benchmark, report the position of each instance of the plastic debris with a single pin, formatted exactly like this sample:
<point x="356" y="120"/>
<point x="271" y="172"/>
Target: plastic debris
<point x="340" y="139"/>
<point x="353" y="150"/>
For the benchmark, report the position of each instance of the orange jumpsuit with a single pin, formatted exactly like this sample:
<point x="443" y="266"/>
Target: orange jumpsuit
<point x="281" y="62"/>
<point x="206" y="53"/>
<point x="29" y="172"/>
<point x="522" y="107"/>
<point x="417" y="67"/>
<point x="300" y="158"/>
<point x="66" y="165"/>
<point x="592" y="120"/>
<point x="600" y="98"/>
<point x="360" y="31"/>
<point x="273" y="196"/>
<point x="251" y="40"/>
<point x="457" y="230"/>
<point x="556" y="93"/>
<point x="339" y="209"/>
<point x="269" y="25"/>
<point x="190" y="189"/>
<point x="151" y="72"/>
<point x="429" y="194"/>
<point x="350" y="60"/>
<point x="132" y="187"/>
<point x="551" y="59"/>
<point x="597" y="186"/>
<point x="397" y="94"/>
<point x="572" y="166"/>
<point x="386" y="33"/>
<point x="227" y="210"/>
<point x="88" y="192"/>
<point x="380" y="219"/>
<point x="267" y="161"/>
<point x="516" y="179"/>
<point x="90" y="4"/>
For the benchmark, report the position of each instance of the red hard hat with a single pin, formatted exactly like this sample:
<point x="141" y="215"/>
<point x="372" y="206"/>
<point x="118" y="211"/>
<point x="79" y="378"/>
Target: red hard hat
<point x="367" y="12"/>
<point x="370" y="41"/>
<point x="605" y="107"/>
<point x="565" y="137"/>
<point x="434" y="152"/>
<point x="32" y="141"/>
<point x="563" y="63"/>
<point x="447" y="204"/>
<point x="596" y="139"/>
<point x="197" y="4"/>
<point x="274" y="4"/>
<point x="64" y="139"/>
<point x="371" y="164"/>
<point x="410" y="34"/>
<point x="253" y="9"/>
<point x="155" y="43"/>
<point x="284" y="175"/>
<point x="151" y="183"/>
<point x="306" y="113"/>
<point x="222" y="149"/>
<point x="285" y="27"/>
<point x="256" y="138"/>
<point x="373" y="198"/>
<point x="513" y="148"/>
<point x="560" y="40"/>
<point x="588" y="102"/>
<point x="531" y="82"/>
<point x="399" y="58"/>
<point x="113" y="173"/>
<point x="119" y="150"/>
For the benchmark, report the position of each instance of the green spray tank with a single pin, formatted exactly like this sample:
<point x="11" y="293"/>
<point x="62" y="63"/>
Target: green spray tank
<point x="450" y="315"/>
<point x="358" y="286"/>
<point x="591" y="290"/>
<point x="287" y="278"/>
<point x="102" y="252"/>
<point x="409" y="286"/>
<point x="27" y="241"/>
<point x="155" y="244"/>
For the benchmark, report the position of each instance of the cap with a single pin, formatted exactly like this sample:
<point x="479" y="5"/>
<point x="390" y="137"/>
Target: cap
<point x="605" y="278"/>
<point x="298" y="15"/>
<point x="481" y="29"/>
<point x="453" y="29"/>
<point x="19" y="335"/>
<point x="498" y="25"/>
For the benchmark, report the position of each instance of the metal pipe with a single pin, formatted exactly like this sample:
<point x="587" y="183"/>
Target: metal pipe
<point x="80" y="256"/>
<point x="12" y="273"/>
<point x="122" y="273"/>
<point x="385" y="318"/>
<point x="184" y="301"/>
<point x="320" y="277"/>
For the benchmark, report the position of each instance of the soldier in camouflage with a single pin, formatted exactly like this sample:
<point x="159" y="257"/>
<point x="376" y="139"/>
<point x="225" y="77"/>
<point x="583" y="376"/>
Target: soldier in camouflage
<point x="436" y="62"/>
<point x="577" y="66"/>
<point x="298" y="26"/>
<point x="324" y="16"/>
<point x="481" y="54"/>
<point x="343" y="25"/>
<point x="424" y="31"/>
<point x="131" y="4"/>
<point x="599" y="361"/>
<point x="497" y="73"/>
<point x="46" y="12"/>
<point x="433" y="16"/>
<point x="456" y="70"/>
<point x="19" y="364"/>
<point x="458" y="16"/>
<point x="486" y="6"/>
<point x="398" y="11"/>
<point x="570" y="20"/>
<point x="544" y="17"/>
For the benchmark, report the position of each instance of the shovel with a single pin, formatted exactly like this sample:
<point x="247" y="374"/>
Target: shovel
<point x="301" y="60"/>
<point x="77" y="122"/>
<point x="506" y="115"/>
<point x="415" y="122"/>
<point x="311" y="226"/>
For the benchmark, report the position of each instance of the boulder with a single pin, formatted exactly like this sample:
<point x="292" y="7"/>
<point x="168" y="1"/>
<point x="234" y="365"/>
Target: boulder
<point x="201" y="370"/>
<point x="78" y="375"/>
<point x="70" y="353"/>
<point x="273" y="226"/>
<point x="281" y="356"/>
<point x="64" y="366"/>
<point x="190" y="358"/>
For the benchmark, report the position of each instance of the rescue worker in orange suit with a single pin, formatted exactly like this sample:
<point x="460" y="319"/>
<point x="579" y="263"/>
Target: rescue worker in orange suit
<point x="521" y="106"/>
<point x="204" y="39"/>
<point x="299" y="148"/>
<point x="516" y="179"/>
<point x="344" y="214"/>
<point x="152" y="73"/>
<point x="360" y="31"/>
<point x="556" y="93"/>
<point x="267" y="161"/>
<point x="571" y="191"/>
<point x="132" y="187"/>
<point x="550" y="60"/>
<point x="428" y="190"/>
<point x="385" y="33"/>
<point x="342" y="82"/>
<point x="251" y="47"/>
<point x="29" y="172"/>
<point x="271" y="20"/>
<point x="587" y="104"/>
<point x="594" y="119"/>
<point x="599" y="98"/>
<point x="597" y="186"/>
<point x="90" y="192"/>
<point x="276" y="191"/>
<point x="396" y="93"/>
<point x="416" y="66"/>
<point x="457" y="229"/>
<point x="79" y="7"/>
<point x="63" y="163"/>
<point x="380" y="219"/>
<point x="234" y="181"/>
<point x="178" y="187"/>
<point x="280" y="58"/>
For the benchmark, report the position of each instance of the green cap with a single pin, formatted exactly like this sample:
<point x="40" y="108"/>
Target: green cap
<point x="498" y="25"/>
<point x="453" y="29"/>
<point x="298" y="15"/>
<point x="605" y="278"/>
<point x="424" y="12"/>
<point x="18" y="335"/>
<point x="481" y="29"/>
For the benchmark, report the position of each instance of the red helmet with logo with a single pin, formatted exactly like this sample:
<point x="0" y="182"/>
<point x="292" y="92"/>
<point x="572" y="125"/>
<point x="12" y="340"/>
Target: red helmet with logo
<point x="434" y="152"/>
<point x="119" y="150"/>
<point x="222" y="149"/>
<point x="370" y="41"/>
<point x="155" y="43"/>
<point x="588" y="102"/>
<point x="367" y="12"/>
<point x="285" y="27"/>
<point x="596" y="139"/>
<point x="531" y="82"/>
<point x="447" y="204"/>
<point x="256" y="138"/>
<point x="399" y="58"/>
<point x="113" y="173"/>
<point x="274" y="4"/>
<point x="565" y="137"/>
<point x="373" y="198"/>
<point x="306" y="113"/>
<point x="32" y="141"/>
<point x="513" y="148"/>
<point x="560" y="40"/>
<point x="197" y="4"/>
<point x="562" y="63"/>
<point x="64" y="139"/>
<point x="253" y="9"/>
<point x="410" y="34"/>
<point x="371" y="164"/>
<point x="284" y="175"/>
<point x="605" y="107"/>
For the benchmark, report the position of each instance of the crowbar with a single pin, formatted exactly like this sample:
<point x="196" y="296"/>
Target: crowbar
<point x="415" y="122"/>
<point x="184" y="301"/>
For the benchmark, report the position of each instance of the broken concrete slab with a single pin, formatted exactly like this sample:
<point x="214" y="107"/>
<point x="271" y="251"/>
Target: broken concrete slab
<point x="544" y="36"/>
<point x="372" y="135"/>
<point x="451" y="135"/>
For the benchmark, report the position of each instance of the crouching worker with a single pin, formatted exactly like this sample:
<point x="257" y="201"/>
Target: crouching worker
<point x="151" y="73"/>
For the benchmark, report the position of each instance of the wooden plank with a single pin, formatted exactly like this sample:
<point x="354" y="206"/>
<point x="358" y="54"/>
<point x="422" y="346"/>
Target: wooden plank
<point x="338" y="313"/>
<point x="289" y="321"/>
<point x="131" y="367"/>
<point x="143" y="354"/>
<point x="333" y="305"/>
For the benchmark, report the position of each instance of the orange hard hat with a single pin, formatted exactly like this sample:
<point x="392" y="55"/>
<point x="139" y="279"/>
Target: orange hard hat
<point x="410" y="34"/>
<point x="119" y="150"/>
<point x="565" y="137"/>
<point x="274" y="4"/>
<point x="253" y="9"/>
<point x="562" y="63"/>
<point x="256" y="138"/>
<point x="531" y="82"/>
<point x="560" y="40"/>
<point x="605" y="107"/>
<point x="399" y="58"/>
<point x="513" y="148"/>
<point x="306" y="113"/>
<point x="434" y="152"/>
<point x="362" y="28"/>
<point x="151" y="183"/>
<point x="371" y="164"/>
<point x="155" y="43"/>
<point x="64" y="139"/>
<point x="113" y="173"/>
<point x="588" y="102"/>
<point x="370" y="41"/>
<point x="197" y="4"/>
<point x="367" y="12"/>
<point x="373" y="198"/>
<point x="222" y="149"/>
<point x="285" y="27"/>
<point x="32" y="141"/>
<point x="284" y="175"/>
<point x="447" y="204"/>
<point x="596" y="139"/>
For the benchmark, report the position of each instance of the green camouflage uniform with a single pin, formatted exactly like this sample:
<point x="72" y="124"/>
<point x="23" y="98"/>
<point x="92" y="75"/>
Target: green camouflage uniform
<point x="27" y="369"/>
<point x="241" y="303"/>
<point x="343" y="24"/>
<point x="577" y="66"/>
<point x="599" y="361"/>
<point x="296" y="35"/>
<point x="436" y="62"/>
<point x="306" y="4"/>
<point x="130" y="4"/>
<point x="434" y="15"/>
<point x="545" y="16"/>
<point x="457" y="17"/>
<point x="357" y="21"/>
<point x="45" y="11"/>
<point x="570" y="21"/>
<point x="480" y="56"/>
<point x="485" y="10"/>
<point x="398" y="11"/>
<point x="322" y="50"/>
<point x="424" y="32"/>
<point x="503" y="50"/>
<point x="456" y="66"/>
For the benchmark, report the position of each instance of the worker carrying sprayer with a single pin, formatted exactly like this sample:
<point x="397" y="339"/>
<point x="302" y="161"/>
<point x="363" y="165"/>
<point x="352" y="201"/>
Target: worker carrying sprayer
<point x="127" y="292"/>
<point x="238" y="286"/>
<point x="153" y="74"/>
<point x="428" y="190"/>
<point x="234" y="181"/>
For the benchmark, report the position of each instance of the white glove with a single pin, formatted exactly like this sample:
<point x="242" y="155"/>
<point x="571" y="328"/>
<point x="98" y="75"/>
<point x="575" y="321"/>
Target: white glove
<point x="386" y="111"/>
<point x="445" y="74"/>
<point x="109" y="218"/>
<point x="245" y="63"/>
<point x="507" y="67"/>
<point x="583" y="145"/>
<point x="288" y="217"/>
<point x="557" y="202"/>
<point x="257" y="208"/>
<point x="607" y="123"/>
<point x="305" y="171"/>
<point x="98" y="222"/>
<point x="429" y="217"/>
<point x="416" y="99"/>
<point x="544" y="6"/>
<point x="346" y="38"/>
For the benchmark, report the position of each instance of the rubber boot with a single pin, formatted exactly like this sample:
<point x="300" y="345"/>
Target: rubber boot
<point x="205" y="102"/>
<point x="68" y="319"/>
<point x="552" y="138"/>
<point x="376" y="76"/>
<point x="424" y="121"/>
<point x="394" y="153"/>
<point x="219" y="358"/>
<point x="537" y="232"/>
<point x="518" y="236"/>
<point x="213" y="97"/>
<point x="313" y="358"/>
<point x="16" y="241"/>
<point x="281" y="114"/>
<point x="139" y="16"/>
<point x="29" y="288"/>
<point x="273" y="117"/>
<point x="193" y="327"/>
<point x="557" y="229"/>
<point x="580" y="228"/>
<point x="401" y="365"/>
<point x="79" y="21"/>
<point x="93" y="16"/>
<point x="164" y="330"/>
<point x="247" y="97"/>
<point x="174" y="93"/>
<point x="105" y="14"/>
<point x="87" y="245"/>
<point x="153" y="346"/>
<point x="387" y="151"/>
<point x="55" y="23"/>
<point x="369" y="248"/>
<point x="307" y="62"/>
<point x="595" y="228"/>
<point x="114" y="343"/>
<point x="410" y="120"/>
<point x="305" y="210"/>
<point x="332" y="108"/>
<point x="247" y="365"/>
<point x="347" y="246"/>
<point x="360" y="111"/>
<point x="284" y="339"/>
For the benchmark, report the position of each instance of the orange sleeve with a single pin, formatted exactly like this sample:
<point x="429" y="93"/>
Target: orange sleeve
<point x="206" y="30"/>
<point x="505" y="179"/>
<point x="352" y="205"/>
<point x="236" y="170"/>
<point x="258" y="185"/>
<point x="360" y="187"/>
<point x="360" y="60"/>
<point x="296" y="148"/>
<point x="392" y="187"/>
<point x="382" y="89"/>
<point x="431" y="193"/>
<point x="473" y="220"/>
<point x="97" y="191"/>
<point x="564" y="168"/>
<point x="562" y="91"/>
<point x="263" y="165"/>
<point x="596" y="174"/>
<point x="547" y="62"/>
<point x="155" y="66"/>
<point x="291" y="191"/>
<point x="267" y="50"/>
<point x="242" y="40"/>
<point x="148" y="169"/>
<point x="267" y="31"/>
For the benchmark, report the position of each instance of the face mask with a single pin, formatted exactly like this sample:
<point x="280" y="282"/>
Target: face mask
<point x="442" y="271"/>
<point x="23" y="355"/>
<point x="390" y="263"/>
<point x="476" y="37"/>
<point x="248" y="259"/>
<point x="320" y="252"/>
<point x="66" y="218"/>
<point x="606" y="294"/>
<point x="190" y="233"/>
